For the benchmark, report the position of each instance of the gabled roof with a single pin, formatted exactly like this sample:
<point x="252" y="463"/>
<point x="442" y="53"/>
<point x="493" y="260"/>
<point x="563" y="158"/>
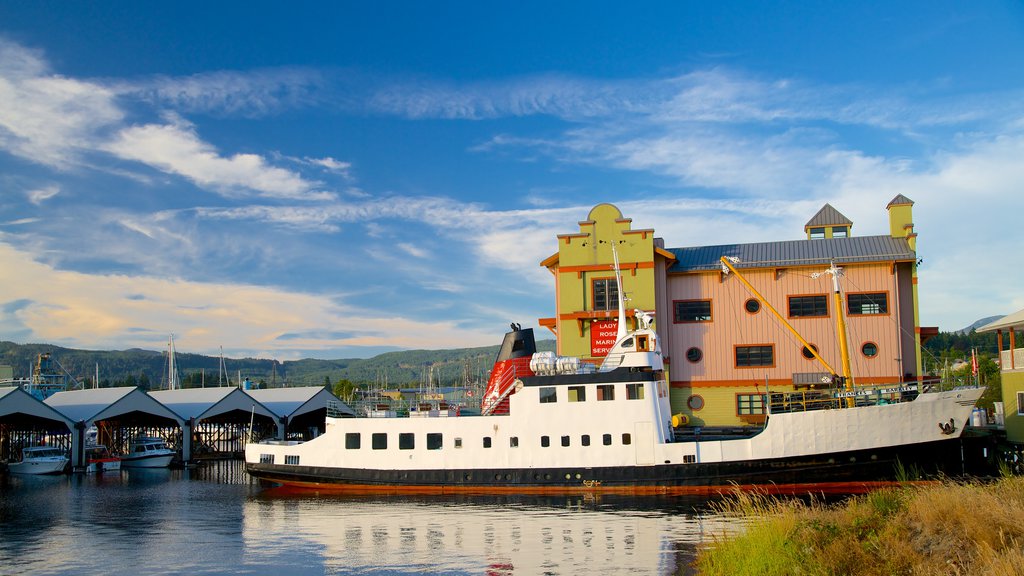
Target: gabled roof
<point x="795" y="253"/>
<point x="899" y="200"/>
<point x="294" y="401"/>
<point x="828" y="216"/>
<point x="205" y="403"/>
<point x="95" y="404"/>
<point x="1015" y="321"/>
<point x="15" y="401"/>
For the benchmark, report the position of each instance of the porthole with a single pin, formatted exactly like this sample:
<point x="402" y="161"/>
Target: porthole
<point x="694" y="354"/>
<point x="807" y="353"/>
<point x="695" y="402"/>
<point x="752" y="305"/>
<point x="568" y="476"/>
<point x="869" y="349"/>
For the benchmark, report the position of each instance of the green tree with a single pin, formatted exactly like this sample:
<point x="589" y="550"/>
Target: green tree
<point x="343" y="388"/>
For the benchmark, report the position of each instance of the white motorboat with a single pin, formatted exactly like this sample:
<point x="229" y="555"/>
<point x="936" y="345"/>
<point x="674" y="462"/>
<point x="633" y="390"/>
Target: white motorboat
<point x="41" y="460"/>
<point x="148" y="452"/>
<point x="99" y="459"/>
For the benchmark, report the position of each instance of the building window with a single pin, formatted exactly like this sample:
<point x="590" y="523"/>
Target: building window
<point x="627" y="439"/>
<point x="487" y="441"/>
<point x="565" y="441"/>
<point x="435" y="440"/>
<point x="634" y="391"/>
<point x="605" y="392"/>
<point x="606" y="294"/>
<point x="869" y="349"/>
<point x="695" y="402"/>
<point x="747" y="404"/>
<point x="748" y="356"/>
<point x="406" y="441"/>
<point x="752" y="305"/>
<point x="870" y="303"/>
<point x="585" y="440"/>
<point x="692" y="310"/>
<point x="806" y="352"/>
<point x="606" y="439"/>
<point x="352" y="440"/>
<point x="1020" y="406"/>
<point x="817" y="233"/>
<point x="379" y="441"/>
<point x="577" y="394"/>
<point x="266" y="458"/>
<point x="840" y="231"/>
<point x="545" y="441"/>
<point x="694" y="355"/>
<point x="292" y="460"/>
<point x="808" y="306"/>
<point x="548" y="394"/>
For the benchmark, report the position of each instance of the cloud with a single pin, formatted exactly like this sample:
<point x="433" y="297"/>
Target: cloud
<point x="40" y="195"/>
<point x="177" y="149"/>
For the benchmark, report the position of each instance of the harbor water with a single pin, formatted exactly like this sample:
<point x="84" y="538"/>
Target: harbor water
<point x="216" y="520"/>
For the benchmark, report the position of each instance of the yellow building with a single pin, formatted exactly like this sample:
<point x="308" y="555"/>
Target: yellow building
<point x="724" y="351"/>
<point x="1011" y="366"/>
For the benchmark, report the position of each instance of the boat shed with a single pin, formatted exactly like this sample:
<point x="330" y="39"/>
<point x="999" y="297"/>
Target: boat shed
<point x="118" y="414"/>
<point x="301" y="411"/>
<point x="217" y="420"/>
<point x="27" y="421"/>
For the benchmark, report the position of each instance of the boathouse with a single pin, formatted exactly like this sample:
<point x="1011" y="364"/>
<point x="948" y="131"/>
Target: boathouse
<point x="217" y="420"/>
<point x="27" y="421"/>
<point x="724" y="351"/>
<point x="301" y="411"/>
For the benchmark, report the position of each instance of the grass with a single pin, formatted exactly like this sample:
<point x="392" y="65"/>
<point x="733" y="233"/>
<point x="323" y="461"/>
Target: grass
<point x="947" y="528"/>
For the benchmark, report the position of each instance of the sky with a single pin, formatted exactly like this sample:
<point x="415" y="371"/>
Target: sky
<point x="340" y="179"/>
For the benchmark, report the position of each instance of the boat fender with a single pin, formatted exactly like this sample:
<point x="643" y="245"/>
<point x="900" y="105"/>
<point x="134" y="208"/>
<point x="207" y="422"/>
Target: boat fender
<point x="948" y="428"/>
<point x="679" y="420"/>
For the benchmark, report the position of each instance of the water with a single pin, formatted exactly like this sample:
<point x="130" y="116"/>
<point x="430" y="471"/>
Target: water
<point x="215" y="520"/>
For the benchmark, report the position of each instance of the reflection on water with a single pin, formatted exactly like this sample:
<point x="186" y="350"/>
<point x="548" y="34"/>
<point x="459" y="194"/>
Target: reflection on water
<point x="215" y="520"/>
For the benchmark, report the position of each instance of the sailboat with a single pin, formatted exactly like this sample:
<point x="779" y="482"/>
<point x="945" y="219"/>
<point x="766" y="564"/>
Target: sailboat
<point x="557" y="424"/>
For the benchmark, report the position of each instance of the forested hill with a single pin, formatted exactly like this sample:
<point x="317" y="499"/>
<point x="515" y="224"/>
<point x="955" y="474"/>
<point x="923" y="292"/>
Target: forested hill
<point x="148" y="368"/>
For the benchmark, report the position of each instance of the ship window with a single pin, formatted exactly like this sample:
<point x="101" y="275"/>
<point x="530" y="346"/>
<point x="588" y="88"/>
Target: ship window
<point x="379" y="441"/>
<point x="606" y="294"/>
<point x="487" y="441"/>
<point x="406" y="441"/>
<point x="565" y="441"/>
<point x="807" y="352"/>
<point x="875" y="303"/>
<point x="458" y="443"/>
<point x="695" y="402"/>
<point x="808" y="306"/>
<point x="605" y="392"/>
<point x="585" y="440"/>
<point x="694" y="354"/>
<point x="747" y="356"/>
<point x="606" y="439"/>
<point x="436" y="439"/>
<point x="692" y="310"/>
<point x="548" y="394"/>
<point x="627" y="439"/>
<point x="869" y="349"/>
<point x="513" y="442"/>
<point x="291" y="459"/>
<point x="749" y="404"/>
<point x="689" y="458"/>
<point x="266" y="458"/>
<point x="817" y="233"/>
<point x="634" y="391"/>
<point x="577" y="394"/>
<point x="352" y="440"/>
<point x="545" y="441"/>
<point x="752" y="305"/>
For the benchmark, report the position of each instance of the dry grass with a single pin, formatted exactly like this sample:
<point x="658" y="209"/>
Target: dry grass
<point x="943" y="529"/>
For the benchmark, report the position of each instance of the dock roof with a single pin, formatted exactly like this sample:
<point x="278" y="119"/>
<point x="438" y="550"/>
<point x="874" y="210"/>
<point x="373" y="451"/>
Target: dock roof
<point x="291" y="402"/>
<point x="18" y="406"/>
<point x="94" y="404"/>
<point x="208" y="403"/>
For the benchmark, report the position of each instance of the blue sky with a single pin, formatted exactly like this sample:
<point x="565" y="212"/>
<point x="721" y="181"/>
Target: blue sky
<point x="338" y="179"/>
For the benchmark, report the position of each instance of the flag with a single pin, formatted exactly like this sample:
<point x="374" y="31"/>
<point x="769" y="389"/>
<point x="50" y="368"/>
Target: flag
<point x="974" y="363"/>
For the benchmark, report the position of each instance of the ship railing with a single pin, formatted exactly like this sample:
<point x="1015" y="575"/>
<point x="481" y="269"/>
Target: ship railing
<point x="837" y="398"/>
<point x="504" y="383"/>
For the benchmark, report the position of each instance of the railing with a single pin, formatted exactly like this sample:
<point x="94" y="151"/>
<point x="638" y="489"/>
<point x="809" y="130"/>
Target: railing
<point x="506" y="384"/>
<point x="1011" y="359"/>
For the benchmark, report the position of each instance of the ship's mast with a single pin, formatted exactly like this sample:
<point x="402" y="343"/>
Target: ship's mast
<point x="844" y="349"/>
<point x="621" y="333"/>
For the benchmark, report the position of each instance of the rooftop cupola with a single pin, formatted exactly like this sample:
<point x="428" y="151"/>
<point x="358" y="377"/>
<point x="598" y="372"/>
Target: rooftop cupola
<point x="901" y="219"/>
<point x="828" y="223"/>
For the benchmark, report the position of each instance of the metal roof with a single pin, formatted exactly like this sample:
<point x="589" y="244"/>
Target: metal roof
<point x="294" y="401"/>
<point x="828" y="216"/>
<point x="95" y="404"/>
<point x="14" y="400"/>
<point x="204" y="403"/>
<point x="795" y="253"/>
<point x="898" y="200"/>
<point x="1015" y="321"/>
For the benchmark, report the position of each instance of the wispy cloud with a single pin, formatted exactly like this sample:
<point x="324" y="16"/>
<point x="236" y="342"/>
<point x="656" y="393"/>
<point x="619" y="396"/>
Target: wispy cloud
<point x="40" y="195"/>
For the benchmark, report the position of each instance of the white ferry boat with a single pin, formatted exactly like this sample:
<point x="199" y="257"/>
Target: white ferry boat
<point x="558" y="424"/>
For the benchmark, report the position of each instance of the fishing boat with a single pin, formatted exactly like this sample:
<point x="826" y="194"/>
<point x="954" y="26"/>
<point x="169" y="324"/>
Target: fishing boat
<point x="99" y="459"/>
<point x="40" y="460"/>
<point x="551" y="423"/>
<point x="148" y="452"/>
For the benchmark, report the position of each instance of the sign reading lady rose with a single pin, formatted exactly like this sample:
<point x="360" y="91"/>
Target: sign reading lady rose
<point x="602" y="336"/>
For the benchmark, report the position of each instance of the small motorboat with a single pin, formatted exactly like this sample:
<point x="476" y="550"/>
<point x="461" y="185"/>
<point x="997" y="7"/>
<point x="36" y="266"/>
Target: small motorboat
<point x="99" y="459"/>
<point x="148" y="452"/>
<point x="40" y="460"/>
